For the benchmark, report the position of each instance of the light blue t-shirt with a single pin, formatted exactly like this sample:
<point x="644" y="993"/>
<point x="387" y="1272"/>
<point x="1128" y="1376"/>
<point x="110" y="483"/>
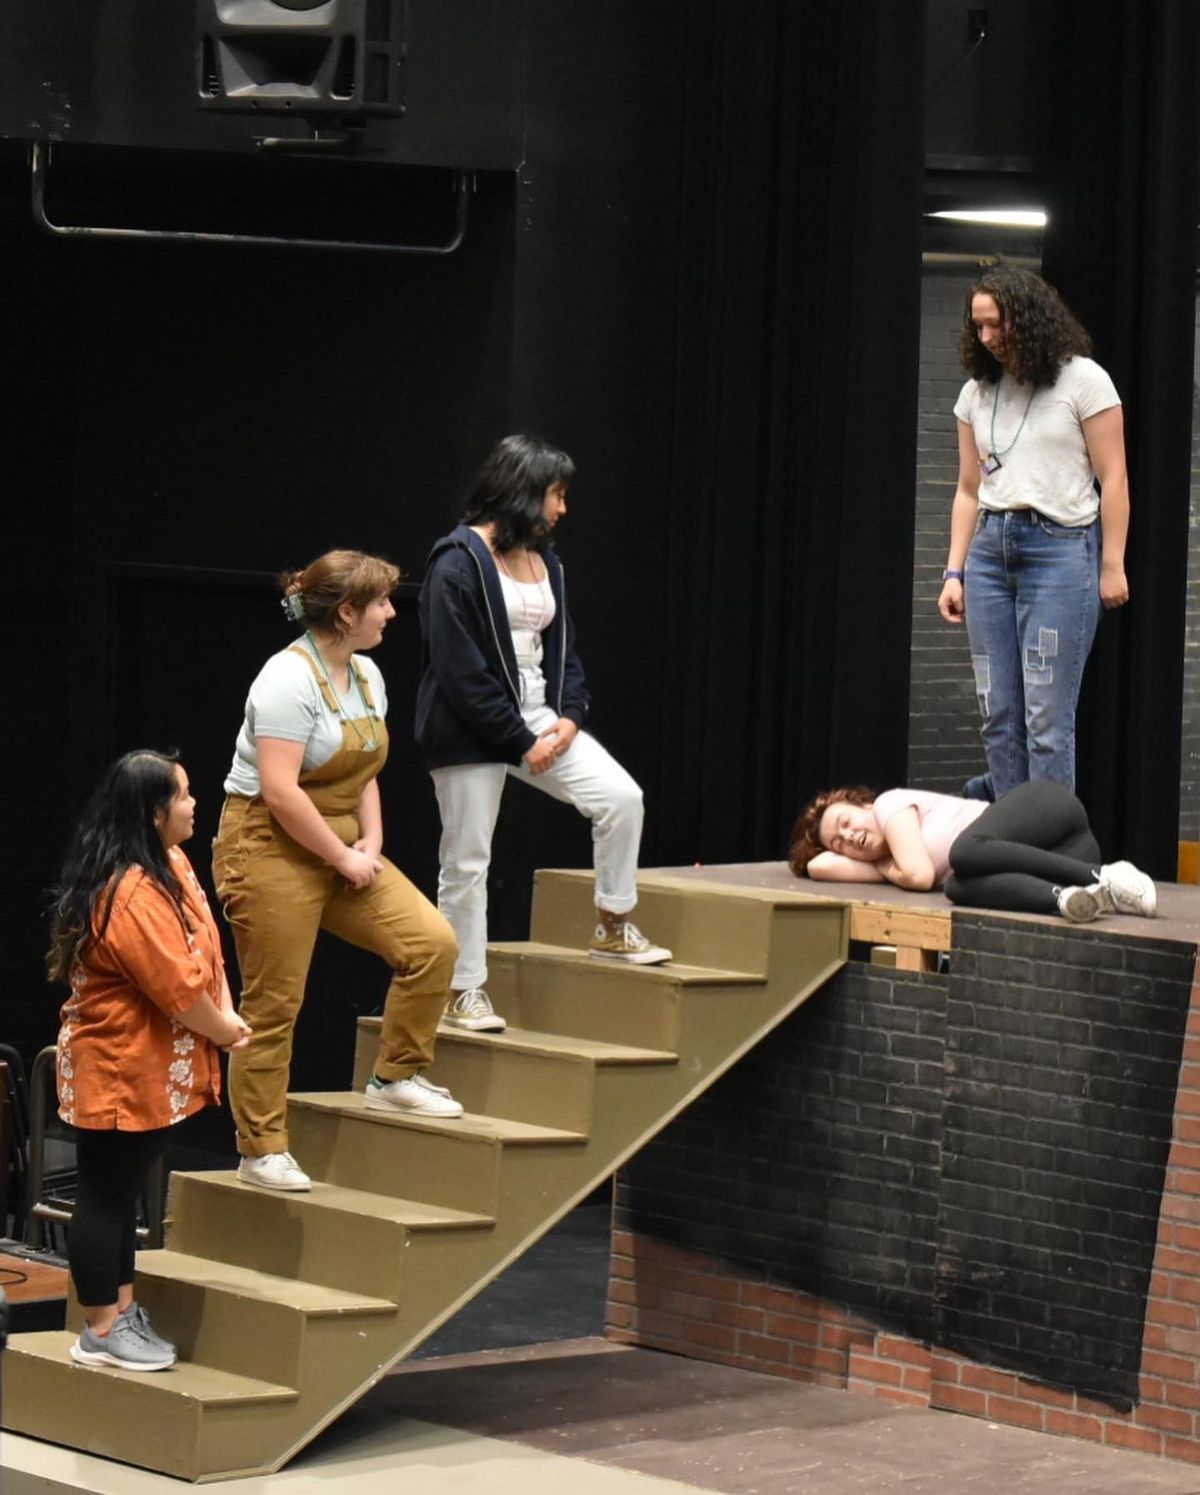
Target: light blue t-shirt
<point x="285" y="701"/>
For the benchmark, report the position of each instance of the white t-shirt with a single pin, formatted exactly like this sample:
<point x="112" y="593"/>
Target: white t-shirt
<point x="940" y="819"/>
<point x="1046" y="467"/>
<point x="286" y="701"/>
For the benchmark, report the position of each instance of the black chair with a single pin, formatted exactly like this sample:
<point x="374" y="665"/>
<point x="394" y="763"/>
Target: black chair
<point x="14" y="1151"/>
<point x="52" y="1177"/>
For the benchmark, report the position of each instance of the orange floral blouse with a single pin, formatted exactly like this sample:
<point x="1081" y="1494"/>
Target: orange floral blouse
<point x="124" y="1061"/>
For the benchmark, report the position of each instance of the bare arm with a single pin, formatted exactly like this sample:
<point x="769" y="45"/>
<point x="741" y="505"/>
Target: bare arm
<point x="963" y="514"/>
<point x="911" y="866"/>
<point x="220" y="1025"/>
<point x="831" y="866"/>
<point x="1105" y="438"/>
<point x="279" y="765"/>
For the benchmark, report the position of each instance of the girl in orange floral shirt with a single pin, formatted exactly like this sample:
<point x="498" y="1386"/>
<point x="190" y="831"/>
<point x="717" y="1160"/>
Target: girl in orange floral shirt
<point x="137" y="1049"/>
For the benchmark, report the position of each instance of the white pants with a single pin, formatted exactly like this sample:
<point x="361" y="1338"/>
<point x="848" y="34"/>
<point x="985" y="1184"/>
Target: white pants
<point x="586" y="776"/>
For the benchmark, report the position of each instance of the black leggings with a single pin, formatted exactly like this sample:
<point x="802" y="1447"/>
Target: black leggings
<point x="1032" y="841"/>
<point x="101" y="1239"/>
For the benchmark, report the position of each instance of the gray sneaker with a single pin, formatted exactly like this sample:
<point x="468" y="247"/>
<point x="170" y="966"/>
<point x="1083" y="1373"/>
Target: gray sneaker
<point x="1082" y="905"/>
<point x="141" y="1318"/>
<point x="125" y="1346"/>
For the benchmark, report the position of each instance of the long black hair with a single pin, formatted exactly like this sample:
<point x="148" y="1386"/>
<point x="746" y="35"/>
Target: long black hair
<point x="510" y="490"/>
<point x="116" y="831"/>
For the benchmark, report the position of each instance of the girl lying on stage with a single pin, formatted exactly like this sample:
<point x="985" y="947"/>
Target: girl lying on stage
<point x="1030" y="852"/>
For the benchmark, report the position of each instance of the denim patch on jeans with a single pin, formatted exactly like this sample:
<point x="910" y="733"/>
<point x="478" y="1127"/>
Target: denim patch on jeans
<point x="1032" y="603"/>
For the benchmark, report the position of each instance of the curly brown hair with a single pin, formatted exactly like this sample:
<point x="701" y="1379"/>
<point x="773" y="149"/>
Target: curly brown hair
<point x="806" y="833"/>
<point x="1040" y="333"/>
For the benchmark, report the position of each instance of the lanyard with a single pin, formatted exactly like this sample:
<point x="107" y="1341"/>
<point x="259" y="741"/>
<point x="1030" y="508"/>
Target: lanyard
<point x="993" y="454"/>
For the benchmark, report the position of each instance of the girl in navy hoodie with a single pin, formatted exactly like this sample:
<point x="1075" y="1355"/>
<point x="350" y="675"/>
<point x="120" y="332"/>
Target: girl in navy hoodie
<point x="502" y="693"/>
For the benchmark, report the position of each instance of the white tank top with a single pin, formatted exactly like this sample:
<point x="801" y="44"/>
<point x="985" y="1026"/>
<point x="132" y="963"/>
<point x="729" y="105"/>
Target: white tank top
<point x="531" y="609"/>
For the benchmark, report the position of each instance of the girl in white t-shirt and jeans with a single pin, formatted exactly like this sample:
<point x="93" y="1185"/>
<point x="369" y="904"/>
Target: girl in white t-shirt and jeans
<point x="1035" y="552"/>
<point x="1031" y="852"/>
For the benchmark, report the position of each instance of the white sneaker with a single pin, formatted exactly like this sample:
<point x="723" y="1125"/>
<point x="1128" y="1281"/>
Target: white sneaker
<point x="1132" y="892"/>
<point x="414" y="1095"/>
<point x="278" y="1170"/>
<point x="472" y="1009"/>
<point x="1082" y="905"/>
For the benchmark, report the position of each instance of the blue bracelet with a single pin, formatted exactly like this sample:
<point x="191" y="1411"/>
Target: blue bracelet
<point x="952" y="575"/>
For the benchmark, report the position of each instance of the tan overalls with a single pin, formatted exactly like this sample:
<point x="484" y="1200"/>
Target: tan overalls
<point x="276" y="895"/>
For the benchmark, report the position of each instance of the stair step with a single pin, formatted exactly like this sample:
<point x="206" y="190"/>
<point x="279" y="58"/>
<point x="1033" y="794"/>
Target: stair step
<point x="414" y="1214"/>
<point x="310" y="1298"/>
<point x="522" y="1075"/>
<point x="456" y="1161"/>
<point x="547" y="989"/>
<point x="480" y="1128"/>
<point x="530" y="1040"/>
<point x="705" y="925"/>
<point x="673" y="972"/>
<point x="202" y="1384"/>
<point x="337" y="1236"/>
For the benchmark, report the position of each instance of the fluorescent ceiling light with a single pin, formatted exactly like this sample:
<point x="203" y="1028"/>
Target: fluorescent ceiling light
<point x="997" y="217"/>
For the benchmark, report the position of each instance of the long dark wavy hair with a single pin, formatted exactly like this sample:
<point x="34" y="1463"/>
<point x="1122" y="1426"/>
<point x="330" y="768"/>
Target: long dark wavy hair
<point x="116" y="831"/>
<point x="1040" y="332"/>
<point x="510" y="490"/>
<point x="806" y="833"/>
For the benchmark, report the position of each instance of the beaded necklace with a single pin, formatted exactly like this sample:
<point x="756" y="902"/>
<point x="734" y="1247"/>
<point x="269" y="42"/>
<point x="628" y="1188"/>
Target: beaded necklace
<point x="369" y="743"/>
<point x="522" y="588"/>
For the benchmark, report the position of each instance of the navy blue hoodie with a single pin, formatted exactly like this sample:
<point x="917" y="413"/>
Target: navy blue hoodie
<point x="468" y="701"/>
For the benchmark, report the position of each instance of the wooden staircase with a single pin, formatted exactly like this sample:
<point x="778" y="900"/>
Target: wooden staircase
<point x="287" y="1307"/>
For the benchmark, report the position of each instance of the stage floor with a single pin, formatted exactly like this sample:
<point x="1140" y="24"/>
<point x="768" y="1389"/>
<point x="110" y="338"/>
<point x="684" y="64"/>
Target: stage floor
<point x="1178" y="903"/>
<point x="602" y="1419"/>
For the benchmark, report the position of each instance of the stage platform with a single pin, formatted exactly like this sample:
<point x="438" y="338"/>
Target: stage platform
<point x="918" y="924"/>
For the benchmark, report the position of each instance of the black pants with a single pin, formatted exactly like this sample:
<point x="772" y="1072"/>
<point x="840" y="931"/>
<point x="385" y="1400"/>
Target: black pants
<point x="1031" y="841"/>
<point x="101" y="1239"/>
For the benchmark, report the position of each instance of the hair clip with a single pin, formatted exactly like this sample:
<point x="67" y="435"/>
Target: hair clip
<point x="293" y="606"/>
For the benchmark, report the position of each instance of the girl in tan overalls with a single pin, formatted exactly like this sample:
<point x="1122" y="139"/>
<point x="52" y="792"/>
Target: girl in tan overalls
<point x="299" y="849"/>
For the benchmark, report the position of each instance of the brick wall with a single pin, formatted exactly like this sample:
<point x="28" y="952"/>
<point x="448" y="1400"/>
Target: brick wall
<point x="1062" y="1052"/>
<point x="766" y="1296"/>
<point x="816" y="1160"/>
<point x="943" y="744"/>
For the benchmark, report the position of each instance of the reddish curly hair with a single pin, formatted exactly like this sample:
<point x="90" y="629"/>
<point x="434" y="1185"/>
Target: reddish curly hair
<point x="1040" y="332"/>
<point x="806" y="833"/>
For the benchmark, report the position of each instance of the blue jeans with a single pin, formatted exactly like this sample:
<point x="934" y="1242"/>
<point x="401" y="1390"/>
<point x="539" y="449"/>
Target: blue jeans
<point x="1032" y="593"/>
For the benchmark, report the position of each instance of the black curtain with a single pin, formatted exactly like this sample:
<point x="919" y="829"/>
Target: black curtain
<point x="793" y="446"/>
<point x="1120" y="245"/>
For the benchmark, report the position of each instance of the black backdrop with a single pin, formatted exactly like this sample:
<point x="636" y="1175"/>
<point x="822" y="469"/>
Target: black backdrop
<point x="793" y="426"/>
<point x="701" y="278"/>
<point x="692" y="260"/>
<point x="1120" y="245"/>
